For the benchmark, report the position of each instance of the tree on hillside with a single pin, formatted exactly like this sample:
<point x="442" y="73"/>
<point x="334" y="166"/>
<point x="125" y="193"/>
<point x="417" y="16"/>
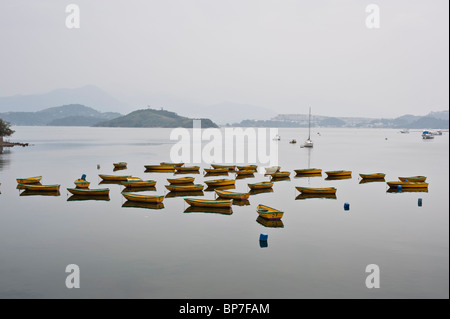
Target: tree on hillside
<point x="5" y="130"/>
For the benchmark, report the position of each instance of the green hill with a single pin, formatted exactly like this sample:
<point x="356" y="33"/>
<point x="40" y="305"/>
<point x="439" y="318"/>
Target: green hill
<point x="154" y="118"/>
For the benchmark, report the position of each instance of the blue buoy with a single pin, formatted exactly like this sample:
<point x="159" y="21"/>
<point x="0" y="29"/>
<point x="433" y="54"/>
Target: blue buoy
<point x="346" y="206"/>
<point x="419" y="202"/>
<point x="263" y="237"/>
<point x="399" y="188"/>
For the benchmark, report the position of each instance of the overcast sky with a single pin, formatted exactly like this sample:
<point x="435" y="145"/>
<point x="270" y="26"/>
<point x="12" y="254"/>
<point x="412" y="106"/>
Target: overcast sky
<point x="285" y="55"/>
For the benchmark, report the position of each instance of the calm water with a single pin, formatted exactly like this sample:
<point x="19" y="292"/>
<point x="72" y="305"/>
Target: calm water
<point x="321" y="252"/>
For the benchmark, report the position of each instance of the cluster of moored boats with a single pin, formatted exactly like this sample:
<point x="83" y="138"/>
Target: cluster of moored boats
<point x="186" y="186"/>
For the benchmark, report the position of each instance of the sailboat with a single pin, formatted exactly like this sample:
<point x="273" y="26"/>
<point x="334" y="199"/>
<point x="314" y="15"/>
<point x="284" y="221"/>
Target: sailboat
<point x="309" y="142"/>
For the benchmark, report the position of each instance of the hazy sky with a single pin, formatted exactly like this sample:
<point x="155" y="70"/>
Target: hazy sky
<point x="284" y="55"/>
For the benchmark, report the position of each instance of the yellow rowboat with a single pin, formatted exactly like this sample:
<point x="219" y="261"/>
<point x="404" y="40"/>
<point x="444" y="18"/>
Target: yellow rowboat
<point x="114" y="177"/>
<point x="228" y="167"/>
<point x="280" y="174"/>
<point x="323" y="190"/>
<point x="143" y="198"/>
<point x="120" y="165"/>
<point x="171" y="164"/>
<point x="373" y="176"/>
<point x="232" y="195"/>
<point x="247" y="168"/>
<point x="220" y="182"/>
<point x="261" y="185"/>
<point x="159" y="168"/>
<point x="89" y="192"/>
<point x="185" y="188"/>
<point x="143" y="205"/>
<point x="338" y="173"/>
<point x="138" y="183"/>
<point x="272" y="169"/>
<point x="306" y="171"/>
<point x="209" y="202"/>
<point x="187" y="169"/>
<point x="408" y="184"/>
<point x="181" y="180"/>
<point x="413" y="179"/>
<point x="277" y="223"/>
<point x="216" y="170"/>
<point x="269" y="212"/>
<point x="245" y="172"/>
<point x="42" y="188"/>
<point x="81" y="183"/>
<point x="29" y="180"/>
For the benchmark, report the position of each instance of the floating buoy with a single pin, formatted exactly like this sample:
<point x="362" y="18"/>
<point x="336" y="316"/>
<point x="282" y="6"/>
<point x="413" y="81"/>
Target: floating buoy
<point x="263" y="237"/>
<point x="263" y="243"/>
<point x="98" y="166"/>
<point x="399" y="188"/>
<point x="419" y="202"/>
<point x="346" y="206"/>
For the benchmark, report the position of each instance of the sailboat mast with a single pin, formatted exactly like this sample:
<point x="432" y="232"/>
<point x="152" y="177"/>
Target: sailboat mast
<point x="309" y="124"/>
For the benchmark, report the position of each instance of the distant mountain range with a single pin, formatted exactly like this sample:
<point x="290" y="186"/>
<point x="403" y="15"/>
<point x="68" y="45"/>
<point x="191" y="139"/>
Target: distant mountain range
<point x="433" y="120"/>
<point x="154" y="118"/>
<point x="65" y="115"/>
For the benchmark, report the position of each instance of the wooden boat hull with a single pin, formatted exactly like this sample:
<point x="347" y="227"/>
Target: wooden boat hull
<point x="41" y="188"/>
<point x="209" y="203"/>
<point x="269" y="212"/>
<point x="29" y="180"/>
<point x="187" y="169"/>
<point x="114" y="178"/>
<point x="280" y="174"/>
<point x="247" y="168"/>
<point x="232" y="195"/>
<point x="261" y="185"/>
<point x="120" y="165"/>
<point x="220" y="182"/>
<point x="89" y="192"/>
<point x="372" y="176"/>
<point x="171" y="164"/>
<point x="307" y="171"/>
<point x="408" y="184"/>
<point x="143" y="198"/>
<point x="310" y="190"/>
<point x="185" y="188"/>
<point x="220" y="166"/>
<point x="159" y="168"/>
<point x="216" y="170"/>
<point x="82" y="183"/>
<point x="338" y="173"/>
<point x="321" y="196"/>
<point x="413" y="179"/>
<point x="182" y="180"/>
<point x="139" y="184"/>
<point x="408" y="190"/>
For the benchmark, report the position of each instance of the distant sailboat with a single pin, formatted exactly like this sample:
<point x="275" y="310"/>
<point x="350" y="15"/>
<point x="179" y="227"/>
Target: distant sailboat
<point x="309" y="142"/>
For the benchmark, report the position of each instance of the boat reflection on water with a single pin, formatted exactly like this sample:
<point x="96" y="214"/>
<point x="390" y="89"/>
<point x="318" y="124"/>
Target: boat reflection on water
<point x="240" y="202"/>
<point x="308" y="175"/>
<point x="270" y="223"/>
<point x="216" y="174"/>
<point x="168" y="170"/>
<point x="213" y="210"/>
<point x="143" y="205"/>
<point x="140" y="189"/>
<point x="245" y="176"/>
<point x="79" y="198"/>
<point x="307" y="196"/>
<point x="371" y="180"/>
<point x="187" y="172"/>
<point x="408" y="190"/>
<point x="39" y="193"/>
<point x="183" y="194"/>
<point x="280" y="179"/>
<point x="260" y="191"/>
<point x="121" y="168"/>
<point x="103" y="182"/>
<point x="212" y="188"/>
<point x="334" y="178"/>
